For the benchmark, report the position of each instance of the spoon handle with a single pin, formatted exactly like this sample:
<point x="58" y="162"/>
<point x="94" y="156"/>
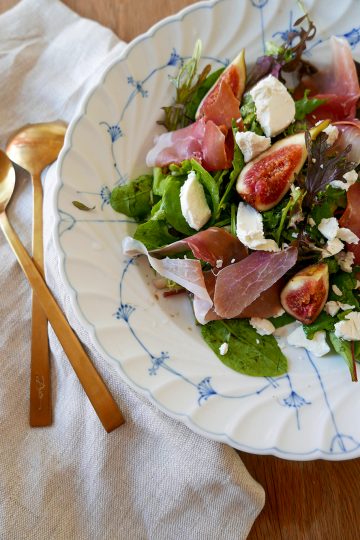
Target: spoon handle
<point x="40" y="375"/>
<point x="95" y="388"/>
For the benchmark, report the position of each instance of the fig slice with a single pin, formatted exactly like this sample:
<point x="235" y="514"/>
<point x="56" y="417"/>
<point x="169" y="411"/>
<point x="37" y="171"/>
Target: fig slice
<point x="304" y="296"/>
<point x="265" y="180"/>
<point x="226" y="93"/>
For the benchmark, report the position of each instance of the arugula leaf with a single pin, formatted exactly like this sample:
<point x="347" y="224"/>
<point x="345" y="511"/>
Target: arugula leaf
<point x="186" y="87"/>
<point x="172" y="207"/>
<point x="283" y="320"/>
<point x="346" y="283"/>
<point x="248" y="353"/>
<point x="180" y="170"/>
<point x="154" y="234"/>
<point x="344" y="348"/>
<point x="323" y="322"/>
<point x="305" y="106"/>
<point x="134" y="199"/>
<point x="327" y="203"/>
<point x="238" y="164"/>
<point x="209" y="184"/>
<point x="201" y="92"/>
<point x="248" y="114"/>
<point x="159" y="181"/>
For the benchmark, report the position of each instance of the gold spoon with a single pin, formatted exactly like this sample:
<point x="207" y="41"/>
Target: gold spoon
<point x="95" y="388"/>
<point x="34" y="147"/>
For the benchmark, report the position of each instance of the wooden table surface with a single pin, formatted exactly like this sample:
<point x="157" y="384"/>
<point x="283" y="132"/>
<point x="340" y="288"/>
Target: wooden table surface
<point x="313" y="500"/>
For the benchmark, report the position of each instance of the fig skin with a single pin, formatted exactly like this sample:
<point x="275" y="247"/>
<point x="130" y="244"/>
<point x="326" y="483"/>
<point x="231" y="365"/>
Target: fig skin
<point x="265" y="180"/>
<point x="234" y="75"/>
<point x="304" y="296"/>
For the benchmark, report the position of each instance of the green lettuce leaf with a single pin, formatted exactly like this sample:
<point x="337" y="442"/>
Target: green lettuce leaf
<point x="134" y="199"/>
<point x="343" y="348"/>
<point x="154" y="234"/>
<point x="248" y="353"/>
<point x="305" y="105"/>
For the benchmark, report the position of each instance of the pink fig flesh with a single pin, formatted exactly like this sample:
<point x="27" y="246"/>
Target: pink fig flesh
<point x="304" y="296"/>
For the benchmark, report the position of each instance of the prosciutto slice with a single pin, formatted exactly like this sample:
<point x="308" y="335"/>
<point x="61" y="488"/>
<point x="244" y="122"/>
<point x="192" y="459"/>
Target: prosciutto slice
<point x="266" y="305"/>
<point x="239" y="284"/>
<point x="350" y="134"/>
<point x="203" y="140"/>
<point x="338" y="84"/>
<point x="212" y="245"/>
<point x="223" y="107"/>
<point x="351" y="218"/>
<point x="185" y="272"/>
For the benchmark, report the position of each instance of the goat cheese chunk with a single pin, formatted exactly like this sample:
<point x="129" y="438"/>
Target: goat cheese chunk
<point x="317" y="345"/>
<point x="223" y="349"/>
<point x="345" y="260"/>
<point x="193" y="203"/>
<point x="332" y="132"/>
<point x="349" y="328"/>
<point x="329" y="227"/>
<point x="331" y="308"/>
<point x="251" y="144"/>
<point x="262" y="326"/>
<point x="275" y="108"/>
<point x="250" y="229"/>
<point x="350" y="179"/>
<point x="347" y="236"/>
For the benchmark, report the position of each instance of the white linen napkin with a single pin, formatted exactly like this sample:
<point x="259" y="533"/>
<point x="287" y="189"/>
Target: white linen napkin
<point x="150" y="479"/>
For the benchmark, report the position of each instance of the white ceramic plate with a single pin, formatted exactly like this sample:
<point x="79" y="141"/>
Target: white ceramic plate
<point x="311" y="412"/>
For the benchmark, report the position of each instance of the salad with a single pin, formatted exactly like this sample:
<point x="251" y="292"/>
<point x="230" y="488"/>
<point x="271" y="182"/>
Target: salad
<point x="251" y="207"/>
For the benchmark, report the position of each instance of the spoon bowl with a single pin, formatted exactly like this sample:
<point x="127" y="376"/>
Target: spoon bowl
<point x="35" y="146"/>
<point x="7" y="181"/>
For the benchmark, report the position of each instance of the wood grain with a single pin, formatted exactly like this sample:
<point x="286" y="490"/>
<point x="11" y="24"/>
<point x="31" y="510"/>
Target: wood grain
<point x="314" y="500"/>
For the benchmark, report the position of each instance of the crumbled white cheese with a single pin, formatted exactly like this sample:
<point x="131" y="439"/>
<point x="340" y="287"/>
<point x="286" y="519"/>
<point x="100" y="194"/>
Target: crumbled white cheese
<point x="350" y="178"/>
<point x="294" y="234"/>
<point x="311" y="222"/>
<point x="347" y="236"/>
<point x="336" y="290"/>
<point x="317" y="345"/>
<point x="232" y="260"/>
<point x="223" y="349"/>
<point x="331" y="307"/>
<point x="257" y="341"/>
<point x="251" y="144"/>
<point x="345" y="260"/>
<point x="279" y="313"/>
<point x="313" y="160"/>
<point x="332" y="247"/>
<point x="193" y="203"/>
<point x="262" y="326"/>
<point x="349" y="328"/>
<point x="345" y="307"/>
<point x="219" y="263"/>
<point x="332" y="132"/>
<point x="250" y="229"/>
<point x="275" y="108"/>
<point x="329" y="227"/>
